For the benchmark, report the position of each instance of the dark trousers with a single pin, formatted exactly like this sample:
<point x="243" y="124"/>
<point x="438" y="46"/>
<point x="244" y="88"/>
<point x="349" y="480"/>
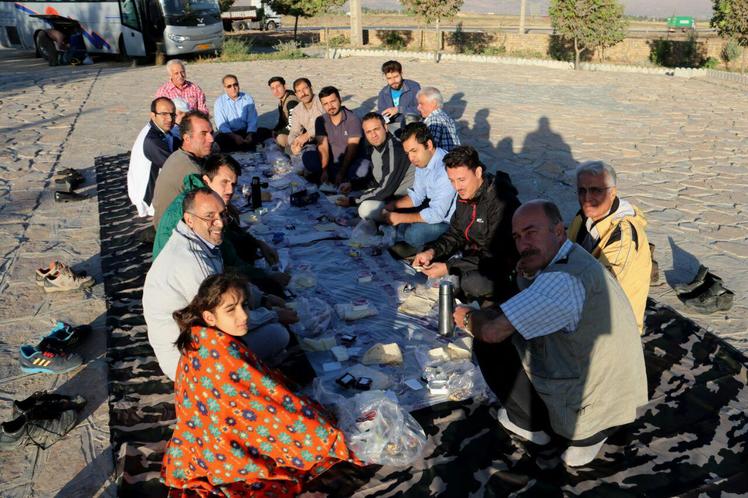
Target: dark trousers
<point x="504" y="374"/>
<point x="482" y="279"/>
<point x="239" y="141"/>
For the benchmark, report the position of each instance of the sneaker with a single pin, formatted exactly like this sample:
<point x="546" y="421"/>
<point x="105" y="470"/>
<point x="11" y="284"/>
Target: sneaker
<point x="35" y="361"/>
<point x="61" y="196"/>
<point x="65" y="280"/>
<point x="13" y="434"/>
<point x="541" y="438"/>
<point x="44" y="429"/>
<point x="52" y="269"/>
<point x="48" y="403"/>
<point x="62" y="337"/>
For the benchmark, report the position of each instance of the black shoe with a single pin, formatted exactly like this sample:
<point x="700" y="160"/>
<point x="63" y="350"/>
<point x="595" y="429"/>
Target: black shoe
<point x="48" y="404"/>
<point x="402" y="250"/>
<point x="63" y="337"/>
<point x="44" y="428"/>
<point x="710" y="298"/>
<point x="697" y="281"/>
<point x="70" y="173"/>
<point x="13" y="434"/>
<point x="67" y="184"/>
<point x="68" y="196"/>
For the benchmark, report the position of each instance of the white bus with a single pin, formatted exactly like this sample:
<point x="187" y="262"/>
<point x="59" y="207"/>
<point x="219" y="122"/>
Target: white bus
<point x="132" y="28"/>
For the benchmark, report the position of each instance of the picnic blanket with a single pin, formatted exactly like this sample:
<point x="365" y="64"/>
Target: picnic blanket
<point x="689" y="440"/>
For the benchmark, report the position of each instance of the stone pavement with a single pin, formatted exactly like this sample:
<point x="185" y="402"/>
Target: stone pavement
<point x="679" y="146"/>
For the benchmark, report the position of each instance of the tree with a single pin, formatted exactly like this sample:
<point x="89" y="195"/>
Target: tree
<point x="730" y="19"/>
<point x="589" y="24"/>
<point x="433" y="11"/>
<point x="225" y="4"/>
<point x="302" y="8"/>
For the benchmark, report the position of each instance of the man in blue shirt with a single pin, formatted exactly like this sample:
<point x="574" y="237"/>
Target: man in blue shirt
<point x="397" y="100"/>
<point x="236" y="119"/>
<point x="424" y="213"/>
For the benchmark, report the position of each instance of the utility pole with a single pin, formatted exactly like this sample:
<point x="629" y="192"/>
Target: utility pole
<point x="357" y="33"/>
<point x="522" y="16"/>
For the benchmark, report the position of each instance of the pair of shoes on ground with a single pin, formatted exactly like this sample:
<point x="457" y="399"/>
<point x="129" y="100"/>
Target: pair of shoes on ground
<point x="66" y="181"/>
<point x="403" y="250"/>
<point x="53" y="354"/>
<point x="572" y="456"/>
<point x="705" y="293"/>
<point x="59" y="277"/>
<point x="41" y="419"/>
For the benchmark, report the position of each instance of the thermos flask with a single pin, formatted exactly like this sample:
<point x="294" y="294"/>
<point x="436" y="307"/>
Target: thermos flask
<point x="256" y="193"/>
<point x="446" y="308"/>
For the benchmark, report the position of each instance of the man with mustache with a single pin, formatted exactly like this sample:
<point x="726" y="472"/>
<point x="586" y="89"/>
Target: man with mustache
<point x="563" y="356"/>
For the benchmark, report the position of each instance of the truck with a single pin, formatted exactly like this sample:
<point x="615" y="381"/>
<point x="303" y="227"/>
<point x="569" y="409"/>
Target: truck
<point x="250" y="14"/>
<point x="683" y="23"/>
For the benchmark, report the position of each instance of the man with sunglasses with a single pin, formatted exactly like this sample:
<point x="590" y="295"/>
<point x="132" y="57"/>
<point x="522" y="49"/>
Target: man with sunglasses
<point x="191" y="254"/>
<point x="236" y="119"/>
<point x="155" y="143"/>
<point x="613" y="231"/>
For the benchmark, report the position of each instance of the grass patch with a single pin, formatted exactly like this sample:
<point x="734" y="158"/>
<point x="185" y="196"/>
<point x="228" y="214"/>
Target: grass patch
<point x="240" y="50"/>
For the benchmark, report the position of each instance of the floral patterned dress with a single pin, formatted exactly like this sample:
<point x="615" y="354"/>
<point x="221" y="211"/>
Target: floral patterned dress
<point x="240" y="431"/>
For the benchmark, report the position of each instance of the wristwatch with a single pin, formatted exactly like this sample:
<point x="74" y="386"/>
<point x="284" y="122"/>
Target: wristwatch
<point x="466" y="322"/>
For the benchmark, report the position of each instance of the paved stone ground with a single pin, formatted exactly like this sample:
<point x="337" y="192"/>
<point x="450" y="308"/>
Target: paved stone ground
<point x="679" y="146"/>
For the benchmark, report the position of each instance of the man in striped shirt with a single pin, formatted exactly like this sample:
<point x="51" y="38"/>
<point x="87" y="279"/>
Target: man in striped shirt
<point x="179" y="87"/>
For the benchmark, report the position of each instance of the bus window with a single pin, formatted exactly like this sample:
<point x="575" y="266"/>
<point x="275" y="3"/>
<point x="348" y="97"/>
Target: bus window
<point x="129" y="14"/>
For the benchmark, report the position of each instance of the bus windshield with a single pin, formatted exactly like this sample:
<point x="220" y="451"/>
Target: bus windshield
<point x="191" y="12"/>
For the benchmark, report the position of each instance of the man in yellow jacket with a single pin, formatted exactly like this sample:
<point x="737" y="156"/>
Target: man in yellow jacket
<point x="613" y="231"/>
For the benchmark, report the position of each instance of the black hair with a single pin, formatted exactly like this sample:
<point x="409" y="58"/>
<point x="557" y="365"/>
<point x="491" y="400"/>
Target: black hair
<point x="302" y="80"/>
<point x="213" y="163"/>
<point x="392" y="67"/>
<point x="279" y="79"/>
<point x="155" y="102"/>
<point x="418" y="130"/>
<point x="208" y="298"/>
<point x="188" y="119"/>
<point x="189" y="199"/>
<point x="374" y="115"/>
<point x="329" y="90"/>
<point x="463" y="155"/>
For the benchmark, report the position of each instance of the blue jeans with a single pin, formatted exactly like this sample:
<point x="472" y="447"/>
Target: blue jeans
<point x="418" y="234"/>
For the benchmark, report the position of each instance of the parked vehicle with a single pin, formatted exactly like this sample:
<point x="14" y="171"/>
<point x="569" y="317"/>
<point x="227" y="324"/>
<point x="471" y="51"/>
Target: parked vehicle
<point x="250" y="14"/>
<point x="133" y="28"/>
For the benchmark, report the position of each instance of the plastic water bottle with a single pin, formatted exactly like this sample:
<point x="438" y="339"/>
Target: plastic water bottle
<point x="446" y="308"/>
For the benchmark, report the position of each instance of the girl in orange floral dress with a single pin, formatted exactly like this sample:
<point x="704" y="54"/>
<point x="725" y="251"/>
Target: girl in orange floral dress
<point x="240" y="431"/>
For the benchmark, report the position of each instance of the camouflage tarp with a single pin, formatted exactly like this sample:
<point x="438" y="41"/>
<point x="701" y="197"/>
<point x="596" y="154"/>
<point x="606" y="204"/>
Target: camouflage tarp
<point x="690" y="440"/>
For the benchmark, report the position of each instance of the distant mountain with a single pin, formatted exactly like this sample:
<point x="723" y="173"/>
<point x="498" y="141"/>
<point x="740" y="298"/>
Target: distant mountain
<point x="701" y="9"/>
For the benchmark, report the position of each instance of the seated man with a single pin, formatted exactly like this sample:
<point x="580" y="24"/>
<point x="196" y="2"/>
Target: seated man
<point x="197" y="139"/>
<point x="397" y="100"/>
<point x="391" y="173"/>
<point x="575" y="365"/>
<point x="613" y="231"/>
<point x="154" y="145"/>
<point x="431" y="200"/>
<point x="442" y="127"/>
<point x="190" y="255"/>
<point x="239" y="248"/>
<point x="304" y="117"/>
<point x="338" y="134"/>
<point x="478" y="247"/>
<point x="236" y="119"/>
<point x="179" y="87"/>
<point x="287" y="101"/>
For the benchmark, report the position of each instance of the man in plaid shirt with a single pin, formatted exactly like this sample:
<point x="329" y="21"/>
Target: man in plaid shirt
<point x="179" y="87"/>
<point x="442" y="127"/>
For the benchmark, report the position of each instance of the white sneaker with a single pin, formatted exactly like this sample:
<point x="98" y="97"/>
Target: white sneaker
<point x="541" y="438"/>
<point x="576" y="456"/>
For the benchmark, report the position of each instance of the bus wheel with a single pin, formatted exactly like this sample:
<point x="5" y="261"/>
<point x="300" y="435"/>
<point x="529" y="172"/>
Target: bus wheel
<point x="46" y="48"/>
<point x="271" y="26"/>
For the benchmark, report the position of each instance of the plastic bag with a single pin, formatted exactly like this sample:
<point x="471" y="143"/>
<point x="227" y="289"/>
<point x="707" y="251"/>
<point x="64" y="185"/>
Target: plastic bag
<point x="379" y="430"/>
<point x="460" y="379"/>
<point x="314" y="316"/>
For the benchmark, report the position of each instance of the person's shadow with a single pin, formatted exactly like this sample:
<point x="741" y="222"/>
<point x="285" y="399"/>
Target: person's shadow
<point x="548" y="153"/>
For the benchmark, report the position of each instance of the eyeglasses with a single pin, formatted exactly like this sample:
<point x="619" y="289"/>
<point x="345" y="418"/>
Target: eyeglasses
<point x="172" y="114"/>
<point x="231" y="85"/>
<point x="593" y="191"/>
<point x="222" y="217"/>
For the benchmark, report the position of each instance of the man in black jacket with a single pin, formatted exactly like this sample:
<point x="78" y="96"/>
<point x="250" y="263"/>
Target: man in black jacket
<point x="391" y="174"/>
<point x="478" y="246"/>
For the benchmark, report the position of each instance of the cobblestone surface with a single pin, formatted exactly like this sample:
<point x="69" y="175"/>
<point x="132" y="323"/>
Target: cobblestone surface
<point x="678" y="145"/>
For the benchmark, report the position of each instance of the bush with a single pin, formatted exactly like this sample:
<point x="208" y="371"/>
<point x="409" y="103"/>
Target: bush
<point x="338" y="41"/>
<point x="731" y="52"/>
<point x="494" y="51"/>
<point x="394" y="40"/>
<point x="527" y="54"/>
<point x="288" y="50"/>
<point x="711" y="63"/>
<point x="235" y="49"/>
